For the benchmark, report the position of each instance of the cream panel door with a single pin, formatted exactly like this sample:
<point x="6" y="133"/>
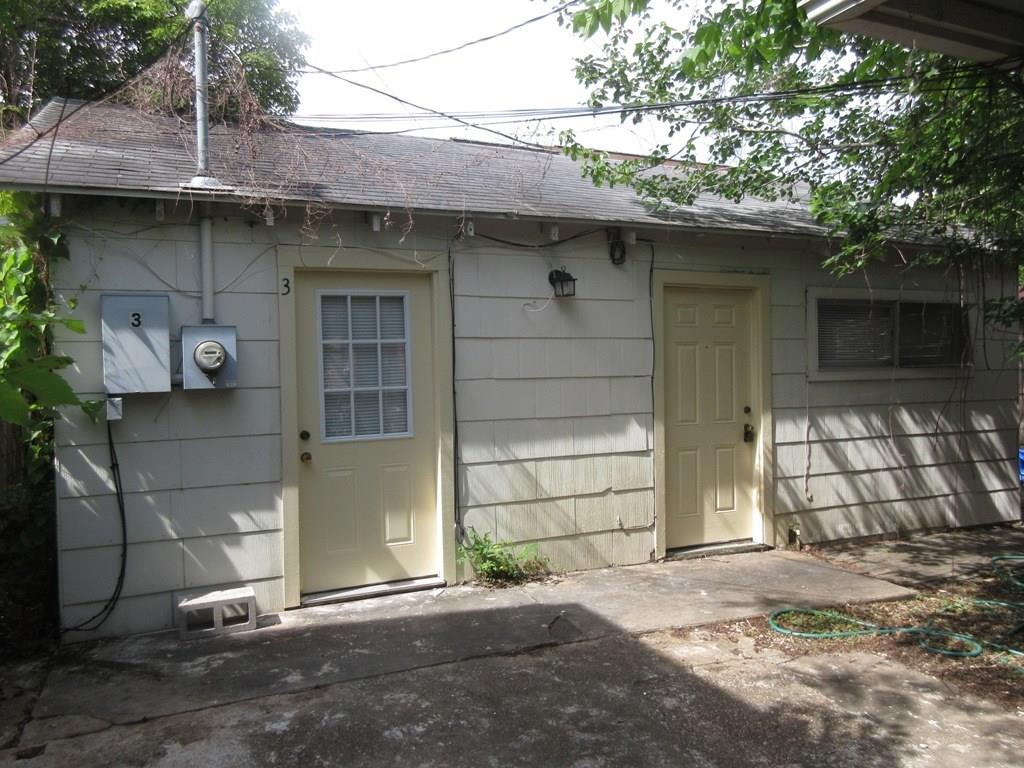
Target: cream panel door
<point x="709" y="468"/>
<point x="367" y="505"/>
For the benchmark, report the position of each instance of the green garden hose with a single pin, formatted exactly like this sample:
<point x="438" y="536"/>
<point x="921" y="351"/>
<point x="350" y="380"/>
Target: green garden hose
<point x="970" y="646"/>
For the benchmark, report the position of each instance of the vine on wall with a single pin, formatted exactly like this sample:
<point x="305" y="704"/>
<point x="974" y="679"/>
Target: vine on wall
<point x="31" y="391"/>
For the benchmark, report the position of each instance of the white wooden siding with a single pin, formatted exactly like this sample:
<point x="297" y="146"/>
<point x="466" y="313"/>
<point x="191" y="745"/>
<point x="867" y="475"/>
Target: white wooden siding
<point x="860" y="457"/>
<point x="201" y="470"/>
<point x="555" y="417"/>
<point x="554" y="401"/>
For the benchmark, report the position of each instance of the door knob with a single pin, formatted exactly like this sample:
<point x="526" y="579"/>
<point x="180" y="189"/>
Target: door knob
<point x="306" y="457"/>
<point x="748" y="433"/>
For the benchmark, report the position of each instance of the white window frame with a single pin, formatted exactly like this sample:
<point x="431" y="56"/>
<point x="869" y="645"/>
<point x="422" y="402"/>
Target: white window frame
<point x="814" y="373"/>
<point x="410" y="432"/>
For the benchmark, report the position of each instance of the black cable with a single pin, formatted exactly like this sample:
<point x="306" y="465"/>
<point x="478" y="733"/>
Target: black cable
<point x="942" y="75"/>
<point x="654" y="347"/>
<point x="101" y="616"/>
<point x="508" y="117"/>
<point x="446" y="51"/>
<point x="552" y="244"/>
<point x="445" y="115"/>
<point x="540" y="114"/>
<point x="460" y="532"/>
<point x="53" y="143"/>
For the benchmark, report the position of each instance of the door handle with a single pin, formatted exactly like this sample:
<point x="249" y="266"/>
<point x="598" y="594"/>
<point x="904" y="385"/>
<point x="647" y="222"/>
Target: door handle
<point x="306" y="457"/>
<point x="748" y="433"/>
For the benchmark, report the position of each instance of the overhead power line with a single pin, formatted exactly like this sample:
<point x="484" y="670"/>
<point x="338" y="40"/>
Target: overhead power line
<point x="444" y="52"/>
<point x="482" y="119"/>
<point x="400" y="100"/>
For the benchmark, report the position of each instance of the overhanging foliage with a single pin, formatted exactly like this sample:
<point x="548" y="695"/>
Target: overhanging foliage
<point x="887" y="145"/>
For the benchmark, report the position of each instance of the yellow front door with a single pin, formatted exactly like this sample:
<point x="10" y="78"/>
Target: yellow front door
<point x="367" y="442"/>
<point x="709" y="466"/>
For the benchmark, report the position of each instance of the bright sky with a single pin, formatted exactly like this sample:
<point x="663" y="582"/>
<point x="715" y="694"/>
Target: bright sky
<point x="528" y="68"/>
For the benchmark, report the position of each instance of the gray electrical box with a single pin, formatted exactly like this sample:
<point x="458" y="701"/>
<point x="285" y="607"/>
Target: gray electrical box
<point x="136" y="343"/>
<point x="209" y="356"/>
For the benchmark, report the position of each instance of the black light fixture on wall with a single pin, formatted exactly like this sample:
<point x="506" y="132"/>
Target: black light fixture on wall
<point x="563" y="283"/>
<point x="616" y="247"/>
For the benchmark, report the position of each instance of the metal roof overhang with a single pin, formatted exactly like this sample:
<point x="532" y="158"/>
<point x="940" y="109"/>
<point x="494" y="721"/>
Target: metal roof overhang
<point x="976" y="30"/>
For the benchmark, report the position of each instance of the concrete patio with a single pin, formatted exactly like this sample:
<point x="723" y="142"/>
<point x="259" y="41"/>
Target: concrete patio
<point x="588" y="670"/>
<point x="927" y="558"/>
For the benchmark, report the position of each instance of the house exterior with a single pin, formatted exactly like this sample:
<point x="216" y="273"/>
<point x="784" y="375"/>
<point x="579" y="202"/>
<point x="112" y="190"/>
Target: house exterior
<point x="403" y="371"/>
<point x="975" y="30"/>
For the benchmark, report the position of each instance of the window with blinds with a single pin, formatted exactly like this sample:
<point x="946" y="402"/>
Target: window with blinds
<point x="863" y="333"/>
<point x="364" y="352"/>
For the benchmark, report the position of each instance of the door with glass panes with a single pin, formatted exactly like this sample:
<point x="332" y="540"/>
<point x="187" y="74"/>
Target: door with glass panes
<point x="367" y="504"/>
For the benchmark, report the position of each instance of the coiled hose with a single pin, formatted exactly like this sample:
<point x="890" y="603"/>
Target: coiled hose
<point x="1012" y="568"/>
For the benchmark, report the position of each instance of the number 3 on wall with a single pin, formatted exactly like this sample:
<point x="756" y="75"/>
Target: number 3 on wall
<point x="136" y="319"/>
<point x="286" y="286"/>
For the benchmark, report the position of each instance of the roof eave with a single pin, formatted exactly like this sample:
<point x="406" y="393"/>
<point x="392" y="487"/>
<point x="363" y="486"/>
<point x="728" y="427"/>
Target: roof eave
<point x="200" y="195"/>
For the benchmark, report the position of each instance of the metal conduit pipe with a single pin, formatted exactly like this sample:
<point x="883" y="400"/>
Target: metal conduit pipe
<point x="196" y="12"/>
<point x="206" y="263"/>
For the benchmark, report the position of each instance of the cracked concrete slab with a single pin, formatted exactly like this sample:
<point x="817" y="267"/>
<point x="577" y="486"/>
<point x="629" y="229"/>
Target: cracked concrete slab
<point x="667" y="698"/>
<point x="125" y="680"/>
<point x="20" y="684"/>
<point x="717" y="588"/>
<point x="94" y="688"/>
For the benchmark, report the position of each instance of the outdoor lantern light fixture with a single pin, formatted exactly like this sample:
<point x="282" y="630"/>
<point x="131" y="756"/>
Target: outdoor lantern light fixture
<point x="616" y="246"/>
<point x="563" y="283"/>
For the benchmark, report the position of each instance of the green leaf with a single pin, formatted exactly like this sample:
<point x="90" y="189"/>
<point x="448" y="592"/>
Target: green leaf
<point x="13" y="408"/>
<point x="73" y="324"/>
<point x="43" y="383"/>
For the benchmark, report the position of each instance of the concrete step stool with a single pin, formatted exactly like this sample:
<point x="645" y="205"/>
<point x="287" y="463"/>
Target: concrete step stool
<point x="216" y="602"/>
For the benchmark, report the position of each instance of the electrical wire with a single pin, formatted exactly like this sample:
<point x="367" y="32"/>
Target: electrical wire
<point x="454" y="49"/>
<point x="939" y="76"/>
<point x="531" y="306"/>
<point x="482" y="119"/>
<point x="764" y="96"/>
<point x="99" y="618"/>
<point x="400" y="100"/>
<point x="460" y="530"/>
<point x="535" y="246"/>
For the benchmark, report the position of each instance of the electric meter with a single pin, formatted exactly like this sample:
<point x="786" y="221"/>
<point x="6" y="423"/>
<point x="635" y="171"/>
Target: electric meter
<point x="210" y="356"/>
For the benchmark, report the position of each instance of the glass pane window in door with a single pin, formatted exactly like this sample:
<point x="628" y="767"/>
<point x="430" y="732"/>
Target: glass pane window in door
<point x="364" y="353"/>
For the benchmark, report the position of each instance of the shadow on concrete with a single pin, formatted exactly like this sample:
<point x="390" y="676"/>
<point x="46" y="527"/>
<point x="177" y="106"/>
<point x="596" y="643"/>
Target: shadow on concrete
<point x="148" y="676"/>
<point x="508" y="685"/>
<point x="929" y="558"/>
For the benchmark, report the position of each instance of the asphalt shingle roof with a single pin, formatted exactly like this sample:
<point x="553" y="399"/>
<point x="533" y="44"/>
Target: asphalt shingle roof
<point x="115" y="149"/>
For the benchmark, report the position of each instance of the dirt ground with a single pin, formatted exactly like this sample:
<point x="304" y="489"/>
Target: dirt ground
<point x="950" y="604"/>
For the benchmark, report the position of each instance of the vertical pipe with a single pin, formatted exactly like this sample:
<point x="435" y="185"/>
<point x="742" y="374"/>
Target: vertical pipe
<point x="197" y="12"/>
<point x="206" y="263"/>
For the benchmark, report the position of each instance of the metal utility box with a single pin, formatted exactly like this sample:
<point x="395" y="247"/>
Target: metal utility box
<point x="136" y="343"/>
<point x="209" y="356"/>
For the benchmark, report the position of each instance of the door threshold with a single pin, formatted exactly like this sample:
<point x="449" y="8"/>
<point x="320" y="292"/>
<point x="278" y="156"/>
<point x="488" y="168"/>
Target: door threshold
<point x="372" y="590"/>
<point x="737" y="547"/>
